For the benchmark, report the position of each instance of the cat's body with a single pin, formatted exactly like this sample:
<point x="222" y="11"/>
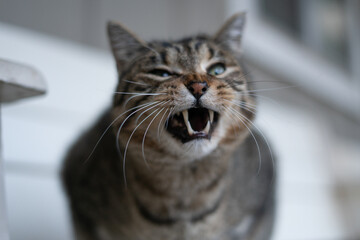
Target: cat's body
<point x="175" y="181"/>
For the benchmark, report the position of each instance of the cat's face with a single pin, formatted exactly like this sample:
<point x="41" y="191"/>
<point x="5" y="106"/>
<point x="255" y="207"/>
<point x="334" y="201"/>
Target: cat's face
<point x="184" y="97"/>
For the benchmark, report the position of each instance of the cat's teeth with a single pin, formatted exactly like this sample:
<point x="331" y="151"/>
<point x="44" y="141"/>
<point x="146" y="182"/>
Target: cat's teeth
<point x="211" y="113"/>
<point x="189" y="128"/>
<point x="187" y="123"/>
<point x="185" y="115"/>
<point x="207" y="128"/>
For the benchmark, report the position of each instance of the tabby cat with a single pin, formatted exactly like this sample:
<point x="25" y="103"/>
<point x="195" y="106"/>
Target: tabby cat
<point x="176" y="155"/>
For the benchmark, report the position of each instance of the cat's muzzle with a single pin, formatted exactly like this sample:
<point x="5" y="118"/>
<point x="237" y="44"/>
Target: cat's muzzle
<point x="193" y="123"/>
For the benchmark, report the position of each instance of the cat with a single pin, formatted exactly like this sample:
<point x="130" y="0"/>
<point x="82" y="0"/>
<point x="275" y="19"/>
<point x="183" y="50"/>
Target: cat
<point x="176" y="156"/>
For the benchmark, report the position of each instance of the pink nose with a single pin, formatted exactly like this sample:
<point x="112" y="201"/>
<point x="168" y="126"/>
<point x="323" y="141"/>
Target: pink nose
<point x="197" y="88"/>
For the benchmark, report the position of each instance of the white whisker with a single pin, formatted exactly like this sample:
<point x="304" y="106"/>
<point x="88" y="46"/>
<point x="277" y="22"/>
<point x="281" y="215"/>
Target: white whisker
<point x="268" y="89"/>
<point x="142" y="94"/>
<point x="231" y="116"/>
<point x="137" y="119"/>
<point x="158" y="131"/>
<point x="122" y="124"/>
<point x="266" y="98"/>
<point x="138" y="83"/>
<point x="107" y="129"/>
<point x="147" y="129"/>
<point x="243" y="105"/>
<point x="127" y="144"/>
<point x="167" y="120"/>
<point x="265" y="139"/>
<point x="252" y="134"/>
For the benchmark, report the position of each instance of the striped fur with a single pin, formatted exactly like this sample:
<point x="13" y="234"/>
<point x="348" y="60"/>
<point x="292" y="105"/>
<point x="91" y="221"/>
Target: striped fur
<point x="130" y="178"/>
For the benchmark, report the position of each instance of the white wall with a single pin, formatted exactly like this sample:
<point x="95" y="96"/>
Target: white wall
<point x="37" y="131"/>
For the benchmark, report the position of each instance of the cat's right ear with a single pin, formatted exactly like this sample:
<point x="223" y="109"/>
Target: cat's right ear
<point x="230" y="34"/>
<point x="124" y="44"/>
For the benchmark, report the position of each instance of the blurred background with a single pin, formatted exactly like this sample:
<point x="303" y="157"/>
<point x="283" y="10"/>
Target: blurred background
<point x="305" y="55"/>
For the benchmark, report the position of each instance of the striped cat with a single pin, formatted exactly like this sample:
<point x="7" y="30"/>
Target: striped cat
<point x="174" y="157"/>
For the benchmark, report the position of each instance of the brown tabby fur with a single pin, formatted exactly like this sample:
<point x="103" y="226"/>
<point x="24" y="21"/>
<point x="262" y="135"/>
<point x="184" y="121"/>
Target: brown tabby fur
<point x="160" y="187"/>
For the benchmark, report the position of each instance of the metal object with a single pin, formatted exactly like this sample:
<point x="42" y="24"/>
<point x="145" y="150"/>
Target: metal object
<point x="17" y="81"/>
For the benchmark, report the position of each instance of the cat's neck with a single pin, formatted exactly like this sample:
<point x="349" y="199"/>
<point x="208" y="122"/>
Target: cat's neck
<point x="179" y="189"/>
<point x="170" y="178"/>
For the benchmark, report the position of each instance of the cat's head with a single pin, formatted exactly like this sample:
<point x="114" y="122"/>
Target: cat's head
<point x="183" y="97"/>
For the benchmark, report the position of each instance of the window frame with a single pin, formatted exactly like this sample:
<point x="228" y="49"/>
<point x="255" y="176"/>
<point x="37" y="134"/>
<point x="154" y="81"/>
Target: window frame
<point x="295" y="62"/>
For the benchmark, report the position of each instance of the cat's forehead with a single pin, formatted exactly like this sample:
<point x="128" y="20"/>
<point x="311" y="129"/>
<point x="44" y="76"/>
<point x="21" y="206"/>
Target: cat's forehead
<point x="187" y="53"/>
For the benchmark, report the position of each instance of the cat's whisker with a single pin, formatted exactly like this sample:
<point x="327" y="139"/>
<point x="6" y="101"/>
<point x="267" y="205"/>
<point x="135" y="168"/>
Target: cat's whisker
<point x="167" y="120"/>
<point x="138" y="83"/>
<point x="122" y="124"/>
<point x="248" y="108"/>
<point x="264" y="81"/>
<point x="128" y="142"/>
<point x="266" y="98"/>
<point x="234" y="120"/>
<point x="265" y="139"/>
<point x="147" y="129"/>
<point x="254" y="106"/>
<point x="252" y="134"/>
<point x="232" y="115"/>
<point x="244" y="102"/>
<point x="158" y="131"/>
<point x="108" y="127"/>
<point x="138" y="95"/>
<point x="262" y="134"/>
<point x="137" y="119"/>
<point x="132" y="97"/>
<point x="252" y="110"/>
<point x="141" y="94"/>
<point x="245" y="74"/>
<point x="243" y="105"/>
<point x="269" y="89"/>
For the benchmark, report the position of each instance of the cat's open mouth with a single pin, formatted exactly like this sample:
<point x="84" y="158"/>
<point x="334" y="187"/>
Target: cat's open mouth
<point x="193" y="123"/>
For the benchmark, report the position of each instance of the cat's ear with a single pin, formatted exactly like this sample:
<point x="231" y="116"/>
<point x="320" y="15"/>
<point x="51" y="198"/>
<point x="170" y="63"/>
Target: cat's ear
<point x="230" y="34"/>
<point x="124" y="44"/>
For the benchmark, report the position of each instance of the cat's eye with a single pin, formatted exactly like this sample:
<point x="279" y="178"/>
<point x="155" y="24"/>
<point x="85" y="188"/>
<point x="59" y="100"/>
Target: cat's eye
<point x="216" y="69"/>
<point x="160" y="73"/>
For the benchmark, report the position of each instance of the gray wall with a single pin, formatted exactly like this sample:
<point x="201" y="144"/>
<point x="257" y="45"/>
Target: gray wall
<point x="84" y="20"/>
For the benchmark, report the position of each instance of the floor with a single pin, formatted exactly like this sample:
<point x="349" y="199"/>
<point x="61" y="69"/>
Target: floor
<point x="318" y="195"/>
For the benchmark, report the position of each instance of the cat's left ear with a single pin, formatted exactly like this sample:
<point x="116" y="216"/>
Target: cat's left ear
<point x="125" y="45"/>
<point x="230" y="34"/>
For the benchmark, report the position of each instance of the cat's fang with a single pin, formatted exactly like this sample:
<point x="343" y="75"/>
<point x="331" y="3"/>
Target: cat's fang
<point x="207" y="128"/>
<point x="185" y="115"/>
<point x="187" y="123"/>
<point x="189" y="128"/>
<point x="211" y="114"/>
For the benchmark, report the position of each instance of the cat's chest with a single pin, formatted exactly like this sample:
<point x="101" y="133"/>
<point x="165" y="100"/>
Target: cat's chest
<point x="211" y="227"/>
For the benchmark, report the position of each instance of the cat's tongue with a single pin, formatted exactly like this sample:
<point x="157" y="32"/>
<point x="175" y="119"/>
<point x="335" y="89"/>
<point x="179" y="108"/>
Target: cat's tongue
<point x="198" y="118"/>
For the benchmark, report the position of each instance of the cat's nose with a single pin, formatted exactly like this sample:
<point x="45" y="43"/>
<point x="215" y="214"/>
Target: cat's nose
<point x="197" y="89"/>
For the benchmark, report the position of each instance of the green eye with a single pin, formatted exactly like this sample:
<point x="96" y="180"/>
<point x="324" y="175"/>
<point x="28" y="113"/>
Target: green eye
<point x="216" y="69"/>
<point x="160" y="73"/>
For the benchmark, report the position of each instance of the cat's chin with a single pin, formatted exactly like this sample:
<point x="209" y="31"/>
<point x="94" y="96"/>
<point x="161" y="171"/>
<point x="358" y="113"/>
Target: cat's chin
<point x="198" y="148"/>
<point x="194" y="149"/>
